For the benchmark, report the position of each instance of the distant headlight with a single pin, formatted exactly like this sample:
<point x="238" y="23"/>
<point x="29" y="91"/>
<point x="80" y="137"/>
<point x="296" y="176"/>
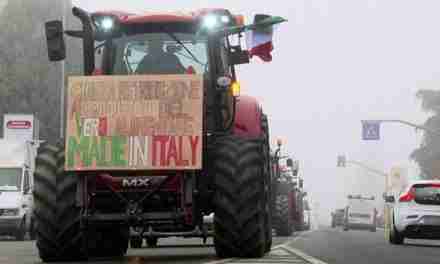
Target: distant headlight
<point x="10" y="212"/>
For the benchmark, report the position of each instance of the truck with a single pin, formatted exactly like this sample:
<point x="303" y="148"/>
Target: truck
<point x="17" y="165"/>
<point x="360" y="213"/>
<point x="157" y="136"/>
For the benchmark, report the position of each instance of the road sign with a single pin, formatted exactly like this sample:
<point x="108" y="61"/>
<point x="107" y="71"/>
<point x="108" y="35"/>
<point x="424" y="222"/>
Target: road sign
<point x="370" y="130"/>
<point x="341" y="161"/>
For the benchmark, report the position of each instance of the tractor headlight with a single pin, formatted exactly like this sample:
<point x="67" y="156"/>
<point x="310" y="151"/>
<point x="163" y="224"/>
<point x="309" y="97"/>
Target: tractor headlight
<point x="210" y="22"/>
<point x="216" y="20"/>
<point x="106" y="26"/>
<point x="104" y="23"/>
<point x="225" y="19"/>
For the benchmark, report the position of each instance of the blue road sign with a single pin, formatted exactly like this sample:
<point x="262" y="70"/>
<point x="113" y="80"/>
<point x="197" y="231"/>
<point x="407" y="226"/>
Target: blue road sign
<point x="370" y="130"/>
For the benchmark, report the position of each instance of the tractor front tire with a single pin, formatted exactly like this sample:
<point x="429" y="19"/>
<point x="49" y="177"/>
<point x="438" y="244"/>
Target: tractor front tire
<point x="284" y="225"/>
<point x="240" y="205"/>
<point x="56" y="216"/>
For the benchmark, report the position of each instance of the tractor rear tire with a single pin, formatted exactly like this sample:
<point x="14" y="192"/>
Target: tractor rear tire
<point x="239" y="219"/>
<point x="56" y="216"/>
<point x="284" y="225"/>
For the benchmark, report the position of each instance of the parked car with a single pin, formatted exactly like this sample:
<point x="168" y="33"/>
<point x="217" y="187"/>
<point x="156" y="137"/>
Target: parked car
<point x="416" y="212"/>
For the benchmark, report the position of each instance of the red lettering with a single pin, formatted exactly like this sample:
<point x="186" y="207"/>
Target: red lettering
<point x="194" y="141"/>
<point x="182" y="162"/>
<point x="172" y="152"/>
<point x="162" y="140"/>
<point x="102" y="127"/>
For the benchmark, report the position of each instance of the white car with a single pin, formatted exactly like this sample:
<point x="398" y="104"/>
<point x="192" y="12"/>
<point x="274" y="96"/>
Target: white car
<point x="360" y="213"/>
<point x="416" y="212"/>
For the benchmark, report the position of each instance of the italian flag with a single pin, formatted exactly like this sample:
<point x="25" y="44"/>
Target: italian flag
<point x="260" y="38"/>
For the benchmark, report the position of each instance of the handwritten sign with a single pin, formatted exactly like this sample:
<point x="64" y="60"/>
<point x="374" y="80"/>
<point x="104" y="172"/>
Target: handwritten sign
<point x="151" y="122"/>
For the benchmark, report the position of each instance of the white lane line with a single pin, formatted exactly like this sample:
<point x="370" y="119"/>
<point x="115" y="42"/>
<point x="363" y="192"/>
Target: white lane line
<point x="284" y="246"/>
<point x="220" y="261"/>
<point x="299" y="253"/>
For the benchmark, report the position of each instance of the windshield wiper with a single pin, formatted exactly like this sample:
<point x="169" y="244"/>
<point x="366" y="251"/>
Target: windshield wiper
<point x="184" y="47"/>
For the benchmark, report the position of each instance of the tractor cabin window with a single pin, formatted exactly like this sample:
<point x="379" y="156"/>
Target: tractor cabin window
<point x="161" y="53"/>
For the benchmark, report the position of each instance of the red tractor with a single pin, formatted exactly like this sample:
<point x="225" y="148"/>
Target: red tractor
<point x="156" y="138"/>
<point x="288" y="195"/>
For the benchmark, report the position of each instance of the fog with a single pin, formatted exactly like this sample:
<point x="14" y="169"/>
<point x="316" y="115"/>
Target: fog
<point x="336" y="63"/>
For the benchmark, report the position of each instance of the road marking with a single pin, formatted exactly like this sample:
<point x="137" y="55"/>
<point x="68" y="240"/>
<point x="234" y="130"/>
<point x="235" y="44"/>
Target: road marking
<point x="308" y="258"/>
<point x="282" y="253"/>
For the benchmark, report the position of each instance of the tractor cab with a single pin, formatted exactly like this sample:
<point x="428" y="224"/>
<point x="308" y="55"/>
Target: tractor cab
<point x="118" y="43"/>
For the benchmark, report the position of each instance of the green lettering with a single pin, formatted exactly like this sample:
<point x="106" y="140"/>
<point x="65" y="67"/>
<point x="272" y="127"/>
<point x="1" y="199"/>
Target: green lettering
<point x="102" y="159"/>
<point x="118" y="147"/>
<point x="94" y="151"/>
<point x="74" y="148"/>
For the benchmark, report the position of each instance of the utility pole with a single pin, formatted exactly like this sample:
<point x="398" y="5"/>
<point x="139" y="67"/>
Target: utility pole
<point x="63" y="79"/>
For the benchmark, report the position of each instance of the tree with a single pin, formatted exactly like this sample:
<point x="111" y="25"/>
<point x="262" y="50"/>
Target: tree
<point x="428" y="154"/>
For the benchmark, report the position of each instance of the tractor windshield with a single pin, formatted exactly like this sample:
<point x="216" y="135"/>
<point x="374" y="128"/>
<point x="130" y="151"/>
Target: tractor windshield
<point x="161" y="53"/>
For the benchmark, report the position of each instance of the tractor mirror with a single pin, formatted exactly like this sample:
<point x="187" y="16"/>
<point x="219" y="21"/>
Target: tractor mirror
<point x="56" y="47"/>
<point x="289" y="162"/>
<point x="238" y="56"/>
<point x="301" y="183"/>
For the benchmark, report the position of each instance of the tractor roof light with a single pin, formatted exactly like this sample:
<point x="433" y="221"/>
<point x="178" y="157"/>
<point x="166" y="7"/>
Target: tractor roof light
<point x="225" y="19"/>
<point x="216" y="20"/>
<point x="106" y="26"/>
<point x="210" y="22"/>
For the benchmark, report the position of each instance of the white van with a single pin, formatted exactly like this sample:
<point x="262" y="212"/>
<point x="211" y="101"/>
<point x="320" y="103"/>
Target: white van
<point x="17" y="159"/>
<point x="360" y="213"/>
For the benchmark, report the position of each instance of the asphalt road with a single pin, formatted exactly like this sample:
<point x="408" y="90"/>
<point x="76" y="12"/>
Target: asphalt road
<point x="323" y="246"/>
<point x="364" y="247"/>
<point x="171" y="250"/>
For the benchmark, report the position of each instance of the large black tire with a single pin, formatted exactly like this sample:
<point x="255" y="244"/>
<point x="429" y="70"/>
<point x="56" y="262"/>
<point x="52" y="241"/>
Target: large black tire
<point x="284" y="223"/>
<point x="56" y="217"/>
<point x="268" y="182"/>
<point x="239" y="220"/>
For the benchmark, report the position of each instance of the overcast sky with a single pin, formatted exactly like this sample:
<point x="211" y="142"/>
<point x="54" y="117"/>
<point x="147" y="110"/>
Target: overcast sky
<point x="335" y="63"/>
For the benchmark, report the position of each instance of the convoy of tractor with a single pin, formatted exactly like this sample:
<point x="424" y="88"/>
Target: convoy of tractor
<point x="159" y="142"/>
